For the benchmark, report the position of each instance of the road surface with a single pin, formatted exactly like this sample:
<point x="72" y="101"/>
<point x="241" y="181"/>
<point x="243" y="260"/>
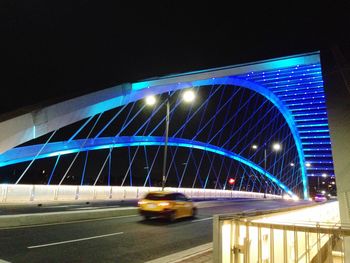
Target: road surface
<point x="120" y="239"/>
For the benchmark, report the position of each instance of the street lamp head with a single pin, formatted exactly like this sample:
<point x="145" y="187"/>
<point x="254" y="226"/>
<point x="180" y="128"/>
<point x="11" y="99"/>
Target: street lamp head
<point x="254" y="146"/>
<point x="324" y="175"/>
<point x="188" y="96"/>
<point x="276" y="147"/>
<point x="150" y="100"/>
<point x="307" y="164"/>
<point x="292" y="164"/>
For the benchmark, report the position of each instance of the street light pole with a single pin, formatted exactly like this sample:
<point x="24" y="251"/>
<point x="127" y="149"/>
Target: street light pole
<point x="275" y="147"/>
<point x="324" y="175"/>
<point x="265" y="169"/>
<point x="187" y="96"/>
<point x="166" y="140"/>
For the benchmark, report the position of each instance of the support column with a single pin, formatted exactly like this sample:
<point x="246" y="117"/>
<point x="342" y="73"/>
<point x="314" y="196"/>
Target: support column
<point x="338" y="109"/>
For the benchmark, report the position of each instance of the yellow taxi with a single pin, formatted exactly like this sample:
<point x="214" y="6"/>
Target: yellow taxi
<point x="170" y="205"/>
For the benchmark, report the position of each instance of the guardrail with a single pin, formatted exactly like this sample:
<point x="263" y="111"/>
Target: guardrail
<point x="281" y="237"/>
<point x="10" y="193"/>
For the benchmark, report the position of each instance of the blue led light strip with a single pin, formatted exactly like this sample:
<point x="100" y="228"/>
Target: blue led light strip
<point x="211" y="121"/>
<point x="54" y="168"/>
<point x="54" y="149"/>
<point x="112" y="119"/>
<point x="196" y="166"/>
<point x="103" y="166"/>
<point x="79" y="130"/>
<point x="84" y="169"/>
<point x="205" y="105"/>
<point x="228" y="110"/>
<point x="36" y="156"/>
<point x="77" y="154"/>
<point x="109" y="170"/>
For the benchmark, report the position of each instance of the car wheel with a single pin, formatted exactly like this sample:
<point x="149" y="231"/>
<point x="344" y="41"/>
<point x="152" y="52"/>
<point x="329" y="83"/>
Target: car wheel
<point x="172" y="216"/>
<point x="194" y="212"/>
<point x="147" y="217"/>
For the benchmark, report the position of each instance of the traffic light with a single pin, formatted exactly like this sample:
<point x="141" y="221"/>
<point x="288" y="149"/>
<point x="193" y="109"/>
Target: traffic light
<point x="231" y="181"/>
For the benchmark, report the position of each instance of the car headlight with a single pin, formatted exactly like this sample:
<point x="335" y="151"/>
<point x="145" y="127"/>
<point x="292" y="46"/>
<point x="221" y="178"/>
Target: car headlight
<point x="163" y="203"/>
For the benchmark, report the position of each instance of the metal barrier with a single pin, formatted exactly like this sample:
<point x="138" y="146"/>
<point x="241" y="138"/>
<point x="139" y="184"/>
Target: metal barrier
<point x="10" y="193"/>
<point x="266" y="239"/>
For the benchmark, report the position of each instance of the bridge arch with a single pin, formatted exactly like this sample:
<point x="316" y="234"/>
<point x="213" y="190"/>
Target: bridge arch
<point x="293" y="84"/>
<point x="269" y="95"/>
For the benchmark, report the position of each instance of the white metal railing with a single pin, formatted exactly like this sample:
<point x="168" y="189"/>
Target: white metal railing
<point x="309" y="235"/>
<point x="11" y="193"/>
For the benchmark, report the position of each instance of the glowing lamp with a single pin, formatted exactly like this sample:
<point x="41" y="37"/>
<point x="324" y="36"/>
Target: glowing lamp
<point x="231" y="181"/>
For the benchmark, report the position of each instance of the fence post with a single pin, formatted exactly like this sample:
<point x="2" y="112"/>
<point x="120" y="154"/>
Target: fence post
<point x="32" y="193"/>
<point x="77" y="193"/>
<point x="4" y="197"/>
<point x="111" y="192"/>
<point x="319" y="256"/>
<point x="56" y="193"/>
<point x="216" y="239"/>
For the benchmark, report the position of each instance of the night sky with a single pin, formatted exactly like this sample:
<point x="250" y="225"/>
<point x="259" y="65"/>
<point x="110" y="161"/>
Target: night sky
<point x="52" y="50"/>
<point x="55" y="50"/>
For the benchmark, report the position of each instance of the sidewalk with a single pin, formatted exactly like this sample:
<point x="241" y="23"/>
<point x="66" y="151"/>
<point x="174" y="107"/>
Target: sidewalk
<point x="205" y="257"/>
<point x="200" y="254"/>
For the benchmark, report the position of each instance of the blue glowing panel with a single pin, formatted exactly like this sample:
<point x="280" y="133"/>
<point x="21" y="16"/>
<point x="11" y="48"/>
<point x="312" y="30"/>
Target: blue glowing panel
<point x="302" y="86"/>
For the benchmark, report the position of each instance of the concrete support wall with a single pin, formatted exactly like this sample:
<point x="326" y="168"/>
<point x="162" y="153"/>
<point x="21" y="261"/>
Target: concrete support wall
<point x="338" y="104"/>
<point x="338" y="108"/>
<point x="36" y="123"/>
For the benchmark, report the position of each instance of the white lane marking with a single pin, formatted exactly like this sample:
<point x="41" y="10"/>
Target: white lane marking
<point x="84" y="208"/>
<point x="60" y="206"/>
<point x="98" y="207"/>
<point x="71" y="222"/>
<point x="75" y="240"/>
<point x="203" y="219"/>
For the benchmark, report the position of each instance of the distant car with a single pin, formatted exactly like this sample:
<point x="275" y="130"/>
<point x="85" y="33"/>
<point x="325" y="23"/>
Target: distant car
<point x="170" y="205"/>
<point x="320" y="198"/>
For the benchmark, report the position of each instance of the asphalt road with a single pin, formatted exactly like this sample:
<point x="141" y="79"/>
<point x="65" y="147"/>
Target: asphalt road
<point x="10" y="209"/>
<point x="15" y="209"/>
<point x="120" y="239"/>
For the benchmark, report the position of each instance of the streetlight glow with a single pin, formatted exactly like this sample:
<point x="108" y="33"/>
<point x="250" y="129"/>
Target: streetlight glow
<point x="254" y="146"/>
<point x="150" y="100"/>
<point x="307" y="164"/>
<point x="276" y="147"/>
<point x="292" y="164"/>
<point x="324" y="175"/>
<point x="231" y="181"/>
<point x="188" y="96"/>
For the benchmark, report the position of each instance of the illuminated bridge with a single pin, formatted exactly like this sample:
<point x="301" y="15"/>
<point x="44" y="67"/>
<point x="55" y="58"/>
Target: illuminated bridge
<point x="113" y="138"/>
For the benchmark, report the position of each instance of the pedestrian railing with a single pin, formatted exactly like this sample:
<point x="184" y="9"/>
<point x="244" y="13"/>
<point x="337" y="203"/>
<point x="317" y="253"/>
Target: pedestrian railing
<point x="270" y="238"/>
<point x="22" y="193"/>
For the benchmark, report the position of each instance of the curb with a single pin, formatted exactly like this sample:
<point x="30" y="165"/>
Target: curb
<point x="183" y="255"/>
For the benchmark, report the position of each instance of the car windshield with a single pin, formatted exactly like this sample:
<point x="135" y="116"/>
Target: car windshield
<point x="320" y="195"/>
<point x="159" y="196"/>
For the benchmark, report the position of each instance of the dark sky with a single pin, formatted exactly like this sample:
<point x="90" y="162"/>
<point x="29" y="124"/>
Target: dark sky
<point x="56" y="49"/>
